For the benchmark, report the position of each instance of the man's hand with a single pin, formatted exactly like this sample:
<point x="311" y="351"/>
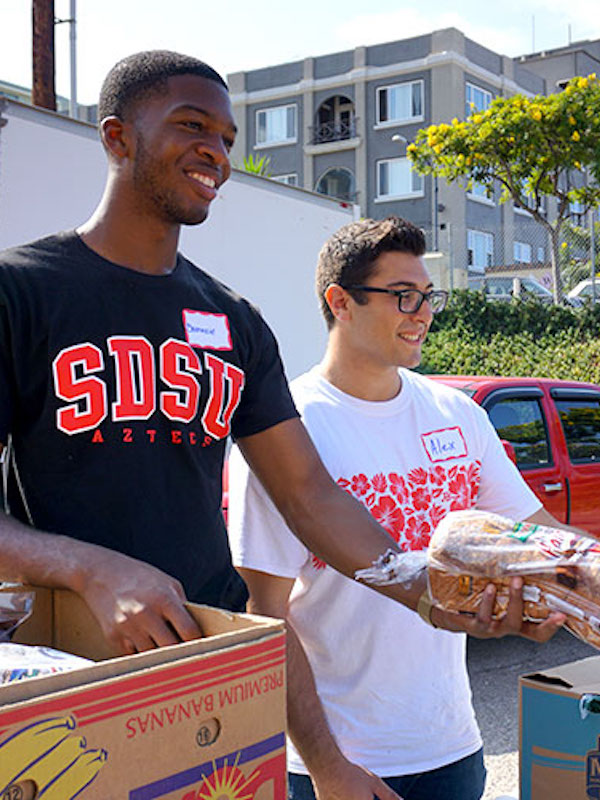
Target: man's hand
<point x="138" y="606"/>
<point x="348" y="781"/>
<point x="482" y="626"/>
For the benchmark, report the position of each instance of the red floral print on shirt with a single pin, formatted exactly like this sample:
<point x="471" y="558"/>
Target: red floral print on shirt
<point x="460" y="492"/>
<point x="398" y="487"/>
<point x="389" y="515"/>
<point x="437" y="476"/>
<point x="411" y="506"/>
<point x="360" y="485"/>
<point x="419" y="476"/>
<point x="418" y="532"/>
<point x="379" y="483"/>
<point x="421" y="498"/>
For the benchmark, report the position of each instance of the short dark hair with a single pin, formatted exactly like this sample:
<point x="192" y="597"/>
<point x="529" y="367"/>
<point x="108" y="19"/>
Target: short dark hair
<point x="142" y="75"/>
<point x="348" y="257"/>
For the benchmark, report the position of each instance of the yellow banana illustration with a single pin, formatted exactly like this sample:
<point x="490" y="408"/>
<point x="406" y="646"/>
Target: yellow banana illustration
<point x="27" y="746"/>
<point x="76" y="777"/>
<point x="55" y="761"/>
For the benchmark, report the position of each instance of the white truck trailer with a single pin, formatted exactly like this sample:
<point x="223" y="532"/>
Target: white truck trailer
<point x="261" y="238"/>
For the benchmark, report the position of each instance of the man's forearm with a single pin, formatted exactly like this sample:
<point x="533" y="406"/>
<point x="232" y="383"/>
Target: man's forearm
<point x="42" y="559"/>
<point x="308" y="727"/>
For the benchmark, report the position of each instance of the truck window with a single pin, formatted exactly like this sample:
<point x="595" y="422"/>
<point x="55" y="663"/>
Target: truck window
<point x="521" y="422"/>
<point x="580" y="421"/>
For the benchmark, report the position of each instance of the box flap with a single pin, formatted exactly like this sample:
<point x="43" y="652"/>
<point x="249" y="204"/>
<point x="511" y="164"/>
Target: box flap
<point x="74" y="629"/>
<point x="62" y="619"/>
<point x="579" y="677"/>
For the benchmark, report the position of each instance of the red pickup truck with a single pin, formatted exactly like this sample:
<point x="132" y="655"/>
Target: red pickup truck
<point x="553" y="429"/>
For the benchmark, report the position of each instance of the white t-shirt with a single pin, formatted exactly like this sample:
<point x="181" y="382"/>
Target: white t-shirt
<point x="396" y="691"/>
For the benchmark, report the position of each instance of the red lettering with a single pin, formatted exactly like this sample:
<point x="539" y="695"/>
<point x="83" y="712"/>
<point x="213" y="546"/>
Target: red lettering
<point x="177" y="359"/>
<point x="135" y="377"/>
<point x="220" y="372"/>
<point x="136" y="391"/>
<point x="90" y="393"/>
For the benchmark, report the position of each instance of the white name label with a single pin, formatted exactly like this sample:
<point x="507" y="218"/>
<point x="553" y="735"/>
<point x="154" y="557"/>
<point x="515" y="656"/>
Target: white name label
<point x="444" y="444"/>
<point x="206" y="330"/>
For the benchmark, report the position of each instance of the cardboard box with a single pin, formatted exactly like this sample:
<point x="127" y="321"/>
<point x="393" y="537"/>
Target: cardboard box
<point x="560" y="732"/>
<point x="195" y="721"/>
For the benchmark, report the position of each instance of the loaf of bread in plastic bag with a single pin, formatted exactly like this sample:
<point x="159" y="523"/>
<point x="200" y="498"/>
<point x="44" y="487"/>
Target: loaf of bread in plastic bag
<point x="560" y="569"/>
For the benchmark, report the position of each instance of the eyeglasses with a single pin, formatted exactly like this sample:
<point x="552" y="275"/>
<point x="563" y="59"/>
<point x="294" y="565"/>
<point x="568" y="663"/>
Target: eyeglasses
<point x="410" y="300"/>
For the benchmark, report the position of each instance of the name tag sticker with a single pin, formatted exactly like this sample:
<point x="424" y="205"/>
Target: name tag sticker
<point x="210" y="331"/>
<point x="445" y="444"/>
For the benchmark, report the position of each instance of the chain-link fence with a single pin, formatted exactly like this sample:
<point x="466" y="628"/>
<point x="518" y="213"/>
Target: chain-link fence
<point x="471" y="257"/>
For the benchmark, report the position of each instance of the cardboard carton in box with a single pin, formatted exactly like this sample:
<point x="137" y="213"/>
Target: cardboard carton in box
<point x="560" y="732"/>
<point x="202" y="720"/>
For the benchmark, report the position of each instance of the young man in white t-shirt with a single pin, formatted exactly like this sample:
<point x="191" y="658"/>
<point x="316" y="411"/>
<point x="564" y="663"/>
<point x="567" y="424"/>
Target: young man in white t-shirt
<point x="374" y="688"/>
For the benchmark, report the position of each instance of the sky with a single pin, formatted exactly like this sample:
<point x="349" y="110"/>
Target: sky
<point x="241" y="35"/>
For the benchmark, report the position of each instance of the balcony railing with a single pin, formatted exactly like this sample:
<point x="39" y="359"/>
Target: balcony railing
<point x="332" y="132"/>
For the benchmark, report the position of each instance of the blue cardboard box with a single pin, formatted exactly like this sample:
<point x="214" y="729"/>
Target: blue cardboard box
<point x="560" y="732"/>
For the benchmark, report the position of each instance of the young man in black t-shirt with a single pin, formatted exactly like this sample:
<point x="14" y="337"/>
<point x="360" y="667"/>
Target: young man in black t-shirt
<point x="123" y="368"/>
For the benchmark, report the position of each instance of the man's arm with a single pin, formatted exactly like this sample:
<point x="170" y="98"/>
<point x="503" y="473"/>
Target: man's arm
<point x="338" y="529"/>
<point x="138" y="606"/>
<point x="333" y="776"/>
<point x="543" y="517"/>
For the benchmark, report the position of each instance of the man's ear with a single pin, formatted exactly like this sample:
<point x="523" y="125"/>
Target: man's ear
<point x="338" y="301"/>
<point x="116" y="137"/>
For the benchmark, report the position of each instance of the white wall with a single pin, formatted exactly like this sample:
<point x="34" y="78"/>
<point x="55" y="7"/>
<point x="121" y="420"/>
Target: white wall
<point x="262" y="238"/>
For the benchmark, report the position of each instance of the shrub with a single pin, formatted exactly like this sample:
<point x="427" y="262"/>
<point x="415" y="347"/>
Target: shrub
<point x="475" y="336"/>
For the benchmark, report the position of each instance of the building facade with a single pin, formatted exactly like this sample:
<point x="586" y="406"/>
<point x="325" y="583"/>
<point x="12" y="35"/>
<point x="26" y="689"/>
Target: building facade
<point x="340" y="124"/>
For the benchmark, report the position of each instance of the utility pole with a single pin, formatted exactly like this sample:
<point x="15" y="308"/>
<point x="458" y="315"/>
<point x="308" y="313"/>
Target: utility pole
<point x="43" y="93"/>
<point x="72" y="20"/>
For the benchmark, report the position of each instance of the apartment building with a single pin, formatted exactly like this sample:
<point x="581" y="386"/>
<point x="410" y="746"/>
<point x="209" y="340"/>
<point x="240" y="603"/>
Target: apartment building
<point x="340" y="124"/>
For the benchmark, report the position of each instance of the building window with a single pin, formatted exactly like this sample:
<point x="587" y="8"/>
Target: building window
<point x="476" y="99"/>
<point x="480" y="250"/>
<point x="335" y="121"/>
<point x="479" y="191"/>
<point x="522" y="253"/>
<point x="576" y="212"/>
<point x="531" y="203"/>
<point x="276" y="125"/>
<point x="291" y="179"/>
<point x="337" y="182"/>
<point x="400" y="103"/>
<point x="396" y="178"/>
<point x="541" y="255"/>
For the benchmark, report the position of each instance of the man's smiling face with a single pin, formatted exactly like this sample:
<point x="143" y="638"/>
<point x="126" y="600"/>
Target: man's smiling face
<point x="182" y="143"/>
<point x="379" y="332"/>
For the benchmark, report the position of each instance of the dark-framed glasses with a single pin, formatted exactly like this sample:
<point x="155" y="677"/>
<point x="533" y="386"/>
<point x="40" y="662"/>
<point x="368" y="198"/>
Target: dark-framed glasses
<point x="410" y="300"/>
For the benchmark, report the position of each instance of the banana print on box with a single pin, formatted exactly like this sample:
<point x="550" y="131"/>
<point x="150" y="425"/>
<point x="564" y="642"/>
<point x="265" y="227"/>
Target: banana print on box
<point x="50" y="758"/>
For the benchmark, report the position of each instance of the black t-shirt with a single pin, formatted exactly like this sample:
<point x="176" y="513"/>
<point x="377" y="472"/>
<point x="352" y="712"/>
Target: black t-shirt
<point x="119" y="390"/>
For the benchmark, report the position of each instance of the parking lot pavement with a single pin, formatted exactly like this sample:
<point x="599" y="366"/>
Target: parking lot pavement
<point x="494" y="667"/>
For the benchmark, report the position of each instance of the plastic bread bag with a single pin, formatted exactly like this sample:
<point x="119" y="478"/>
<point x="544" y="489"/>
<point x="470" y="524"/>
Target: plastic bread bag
<point x="16" y="606"/>
<point x="470" y="549"/>
<point x="560" y="569"/>
<point x="403" y="568"/>
<point x="18" y="662"/>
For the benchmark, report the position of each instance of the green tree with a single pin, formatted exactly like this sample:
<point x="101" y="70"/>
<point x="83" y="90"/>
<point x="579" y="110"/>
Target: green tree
<point x="532" y="146"/>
